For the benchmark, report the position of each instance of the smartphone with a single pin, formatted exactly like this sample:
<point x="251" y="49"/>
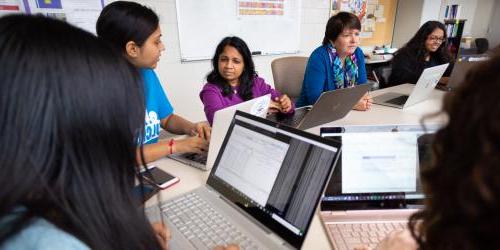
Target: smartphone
<point x="142" y="195"/>
<point x="158" y="177"/>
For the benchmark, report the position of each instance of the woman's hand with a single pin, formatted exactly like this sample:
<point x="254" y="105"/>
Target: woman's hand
<point x="285" y="103"/>
<point x="193" y="144"/>
<point x="162" y="234"/>
<point x="228" y="247"/>
<point x="365" y="103"/>
<point x="281" y="104"/>
<point x="401" y="240"/>
<point x="201" y="129"/>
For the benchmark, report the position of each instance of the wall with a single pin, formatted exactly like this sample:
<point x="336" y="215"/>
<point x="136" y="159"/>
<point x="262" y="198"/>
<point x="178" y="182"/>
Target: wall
<point x="407" y="22"/>
<point x="183" y="81"/>
<point x="494" y="27"/>
<point x="430" y="10"/>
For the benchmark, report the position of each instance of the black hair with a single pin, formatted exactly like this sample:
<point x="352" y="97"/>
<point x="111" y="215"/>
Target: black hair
<point x="248" y="74"/>
<point x="416" y="45"/>
<point x="337" y="23"/>
<point x="121" y="22"/>
<point x="72" y="109"/>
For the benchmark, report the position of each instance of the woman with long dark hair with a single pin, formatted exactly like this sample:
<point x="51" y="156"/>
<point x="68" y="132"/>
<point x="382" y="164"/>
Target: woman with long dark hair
<point x="427" y="48"/>
<point x="71" y="111"/>
<point x="337" y="63"/>
<point x="134" y="30"/>
<point x="233" y="80"/>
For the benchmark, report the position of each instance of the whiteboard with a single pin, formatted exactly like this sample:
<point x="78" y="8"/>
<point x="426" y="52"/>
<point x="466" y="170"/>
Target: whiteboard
<point x="267" y="26"/>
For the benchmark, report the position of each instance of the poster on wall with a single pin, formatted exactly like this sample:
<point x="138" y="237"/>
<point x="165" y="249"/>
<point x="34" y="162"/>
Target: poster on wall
<point x="9" y="7"/>
<point x="261" y="8"/>
<point x="81" y="13"/>
<point x="369" y="12"/>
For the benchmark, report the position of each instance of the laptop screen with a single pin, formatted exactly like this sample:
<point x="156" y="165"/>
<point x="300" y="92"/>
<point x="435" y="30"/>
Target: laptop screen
<point x="378" y="166"/>
<point x="275" y="174"/>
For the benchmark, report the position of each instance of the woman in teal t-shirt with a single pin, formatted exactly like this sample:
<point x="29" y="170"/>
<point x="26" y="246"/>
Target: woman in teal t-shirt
<point x="134" y="30"/>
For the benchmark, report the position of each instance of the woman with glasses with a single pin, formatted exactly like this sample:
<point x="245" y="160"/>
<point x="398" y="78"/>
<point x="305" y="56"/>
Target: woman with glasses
<point x="426" y="49"/>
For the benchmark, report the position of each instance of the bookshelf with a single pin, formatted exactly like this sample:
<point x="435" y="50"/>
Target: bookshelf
<point x="454" y="30"/>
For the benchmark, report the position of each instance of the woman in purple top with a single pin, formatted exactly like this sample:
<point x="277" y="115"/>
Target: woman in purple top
<point x="233" y="80"/>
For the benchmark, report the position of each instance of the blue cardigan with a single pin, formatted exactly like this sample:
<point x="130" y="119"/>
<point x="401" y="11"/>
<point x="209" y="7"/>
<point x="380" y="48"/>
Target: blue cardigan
<point x="319" y="78"/>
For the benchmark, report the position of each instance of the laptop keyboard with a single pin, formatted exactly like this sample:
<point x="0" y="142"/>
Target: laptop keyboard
<point x="349" y="236"/>
<point x="200" y="158"/>
<point x="400" y="100"/>
<point x="290" y="120"/>
<point x="202" y="225"/>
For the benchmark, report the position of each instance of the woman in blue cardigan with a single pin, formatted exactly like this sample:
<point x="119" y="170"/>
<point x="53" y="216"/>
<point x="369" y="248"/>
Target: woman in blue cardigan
<point x="338" y="63"/>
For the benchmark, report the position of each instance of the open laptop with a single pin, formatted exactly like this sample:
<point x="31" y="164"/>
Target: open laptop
<point x="375" y="186"/>
<point x="422" y="90"/>
<point x="330" y="106"/>
<point x="222" y="119"/>
<point x="458" y="74"/>
<point x="262" y="192"/>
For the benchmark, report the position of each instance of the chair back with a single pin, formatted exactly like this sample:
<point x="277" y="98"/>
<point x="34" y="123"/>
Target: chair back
<point x="288" y="74"/>
<point x="482" y="45"/>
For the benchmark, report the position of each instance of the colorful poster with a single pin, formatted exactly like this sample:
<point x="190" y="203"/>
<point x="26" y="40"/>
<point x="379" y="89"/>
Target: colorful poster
<point x="49" y="4"/>
<point x="81" y="13"/>
<point x="261" y="7"/>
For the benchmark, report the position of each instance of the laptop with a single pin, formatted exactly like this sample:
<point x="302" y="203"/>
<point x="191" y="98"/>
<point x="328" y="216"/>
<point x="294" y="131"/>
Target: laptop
<point x="222" y="119"/>
<point x="262" y="192"/>
<point x="330" y="106"/>
<point x="458" y="74"/>
<point x="375" y="186"/>
<point x="422" y="90"/>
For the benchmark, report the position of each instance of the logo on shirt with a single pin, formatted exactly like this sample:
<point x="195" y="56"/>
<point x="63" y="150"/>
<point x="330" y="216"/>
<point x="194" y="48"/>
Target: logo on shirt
<point x="152" y="126"/>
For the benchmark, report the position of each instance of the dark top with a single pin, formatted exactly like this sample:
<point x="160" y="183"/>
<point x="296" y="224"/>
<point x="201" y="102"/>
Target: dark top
<point x="407" y="69"/>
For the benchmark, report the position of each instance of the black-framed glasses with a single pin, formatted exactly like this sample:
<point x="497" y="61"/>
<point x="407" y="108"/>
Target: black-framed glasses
<point x="436" y="39"/>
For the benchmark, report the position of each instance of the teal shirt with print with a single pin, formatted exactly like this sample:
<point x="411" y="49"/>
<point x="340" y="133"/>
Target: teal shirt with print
<point x="40" y="234"/>
<point x="158" y="106"/>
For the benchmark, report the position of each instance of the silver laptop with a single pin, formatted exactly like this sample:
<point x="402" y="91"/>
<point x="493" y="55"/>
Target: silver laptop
<point x="459" y="72"/>
<point x="330" y="106"/>
<point x="376" y="185"/>
<point x="262" y="192"/>
<point x="422" y="90"/>
<point x="222" y="119"/>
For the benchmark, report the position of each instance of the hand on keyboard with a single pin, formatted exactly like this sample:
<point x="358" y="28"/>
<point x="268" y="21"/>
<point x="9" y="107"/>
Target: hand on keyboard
<point x="162" y="234"/>
<point x="228" y="247"/>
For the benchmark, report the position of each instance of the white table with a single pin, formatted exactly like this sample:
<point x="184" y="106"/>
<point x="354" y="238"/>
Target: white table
<point x="192" y="178"/>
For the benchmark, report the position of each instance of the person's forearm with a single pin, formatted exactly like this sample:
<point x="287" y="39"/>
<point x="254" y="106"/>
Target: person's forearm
<point x="177" y="125"/>
<point x="153" y="152"/>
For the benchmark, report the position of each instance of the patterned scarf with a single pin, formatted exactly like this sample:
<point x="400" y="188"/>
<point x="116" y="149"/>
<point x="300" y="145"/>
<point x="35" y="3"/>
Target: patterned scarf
<point x="343" y="78"/>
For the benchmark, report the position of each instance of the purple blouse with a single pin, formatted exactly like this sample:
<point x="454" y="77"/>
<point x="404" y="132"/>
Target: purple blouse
<point x="213" y="100"/>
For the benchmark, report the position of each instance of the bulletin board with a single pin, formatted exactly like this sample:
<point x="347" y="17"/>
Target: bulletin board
<point x="377" y="18"/>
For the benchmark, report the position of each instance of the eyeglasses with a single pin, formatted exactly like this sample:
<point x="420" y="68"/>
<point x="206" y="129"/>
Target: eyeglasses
<point x="436" y="39"/>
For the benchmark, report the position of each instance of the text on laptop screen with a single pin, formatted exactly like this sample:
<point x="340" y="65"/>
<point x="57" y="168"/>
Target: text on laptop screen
<point x="377" y="163"/>
<point x="274" y="174"/>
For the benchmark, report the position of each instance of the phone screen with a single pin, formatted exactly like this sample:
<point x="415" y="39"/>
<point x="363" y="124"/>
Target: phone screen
<point x="144" y="194"/>
<point x="159" y="177"/>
